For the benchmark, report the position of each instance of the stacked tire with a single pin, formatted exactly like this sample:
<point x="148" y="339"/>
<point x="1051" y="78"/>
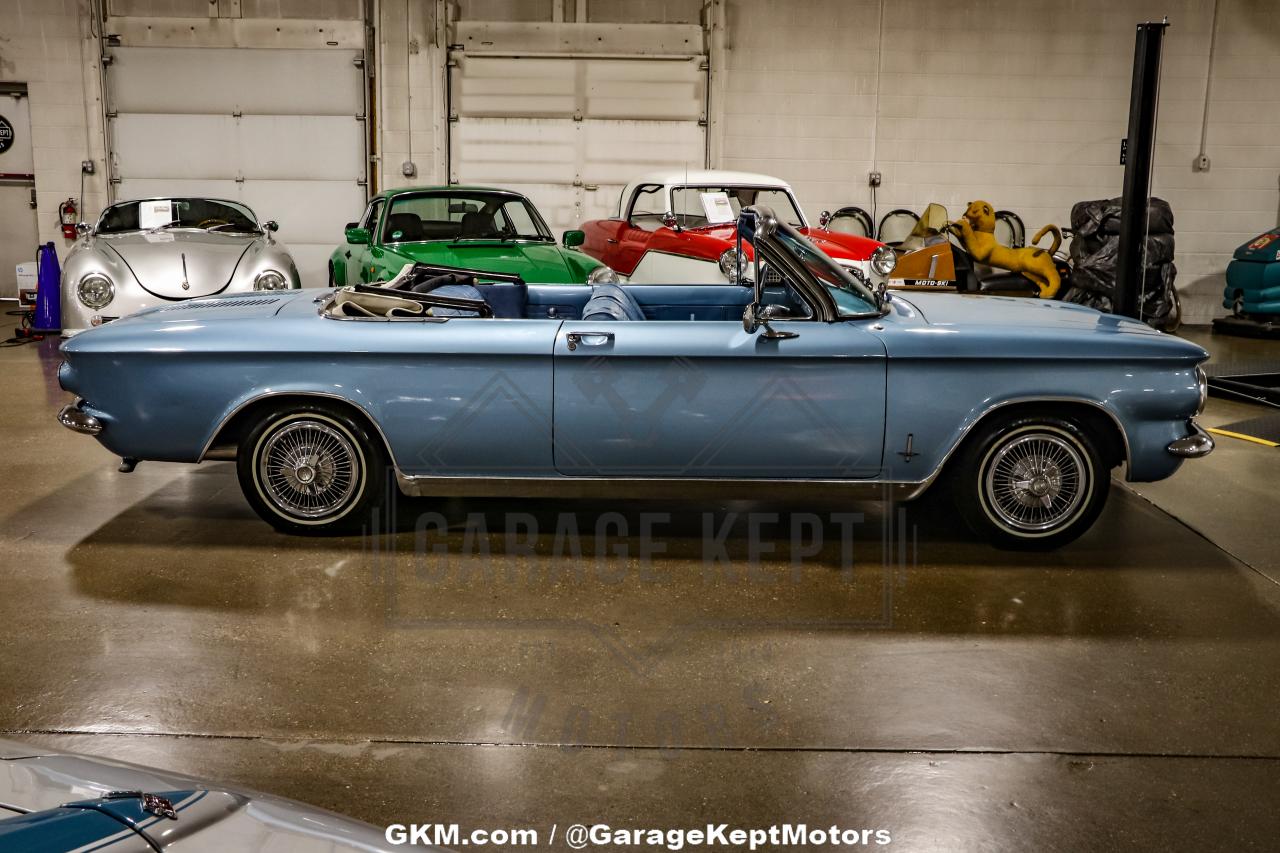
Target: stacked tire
<point x="1095" y="252"/>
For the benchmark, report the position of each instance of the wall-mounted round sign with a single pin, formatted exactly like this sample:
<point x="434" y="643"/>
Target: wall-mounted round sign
<point x="6" y="135"/>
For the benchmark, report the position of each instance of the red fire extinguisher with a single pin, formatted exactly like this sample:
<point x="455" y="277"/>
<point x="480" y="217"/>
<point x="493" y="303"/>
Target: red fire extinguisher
<point x="68" y="216"/>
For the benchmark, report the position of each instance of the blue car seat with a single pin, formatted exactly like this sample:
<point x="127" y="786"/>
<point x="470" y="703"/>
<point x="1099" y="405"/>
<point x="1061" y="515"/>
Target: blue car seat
<point x="610" y="302"/>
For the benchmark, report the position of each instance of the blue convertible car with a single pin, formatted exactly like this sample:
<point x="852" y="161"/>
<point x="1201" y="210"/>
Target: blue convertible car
<point x="804" y="382"/>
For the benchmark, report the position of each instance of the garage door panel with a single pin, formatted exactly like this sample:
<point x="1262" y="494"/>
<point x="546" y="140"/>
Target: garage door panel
<point x="556" y="202"/>
<point x="227" y="80"/>
<point x="617" y="151"/>
<point x="670" y="90"/>
<point x="177" y="187"/>
<point x="210" y="146"/>
<point x="600" y="203"/>
<point x="505" y="150"/>
<point x="183" y="147"/>
<point x="502" y="86"/>
<point x="301" y="147"/>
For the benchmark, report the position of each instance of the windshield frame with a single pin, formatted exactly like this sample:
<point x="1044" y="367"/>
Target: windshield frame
<point x="237" y="205"/>
<point x="544" y="236"/>
<point x="718" y="186"/>
<point x="778" y="243"/>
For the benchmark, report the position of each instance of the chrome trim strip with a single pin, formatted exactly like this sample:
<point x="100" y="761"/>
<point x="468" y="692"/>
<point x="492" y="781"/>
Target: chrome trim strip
<point x="77" y="421"/>
<point x="204" y="451"/>
<point x="565" y="486"/>
<point x="653" y="487"/>
<point x="1193" y="446"/>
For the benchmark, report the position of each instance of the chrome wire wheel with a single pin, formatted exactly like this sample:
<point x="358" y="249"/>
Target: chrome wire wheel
<point x="1036" y="482"/>
<point x="309" y="468"/>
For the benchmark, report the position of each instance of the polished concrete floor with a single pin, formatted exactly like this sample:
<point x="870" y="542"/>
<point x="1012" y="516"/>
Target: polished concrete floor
<point x="1120" y="693"/>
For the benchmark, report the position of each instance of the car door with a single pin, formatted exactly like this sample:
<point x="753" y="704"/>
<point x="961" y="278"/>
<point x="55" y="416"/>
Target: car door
<point x="706" y="399"/>
<point x="459" y="397"/>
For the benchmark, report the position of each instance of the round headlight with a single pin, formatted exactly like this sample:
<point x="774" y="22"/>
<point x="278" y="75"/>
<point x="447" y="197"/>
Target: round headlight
<point x="733" y="266"/>
<point x="270" y="280"/>
<point x="95" y="291"/>
<point x="883" y="260"/>
<point x="603" y="275"/>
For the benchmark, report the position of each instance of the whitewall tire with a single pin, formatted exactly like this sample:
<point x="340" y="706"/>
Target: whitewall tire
<point x="1031" y="482"/>
<point x="312" y="468"/>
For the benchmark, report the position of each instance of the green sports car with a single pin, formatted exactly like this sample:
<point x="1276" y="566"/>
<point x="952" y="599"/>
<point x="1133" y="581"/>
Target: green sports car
<point x="478" y="228"/>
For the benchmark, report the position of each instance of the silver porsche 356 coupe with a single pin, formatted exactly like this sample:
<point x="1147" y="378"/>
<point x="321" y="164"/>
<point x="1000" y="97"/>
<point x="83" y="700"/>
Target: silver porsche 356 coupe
<point x="155" y="251"/>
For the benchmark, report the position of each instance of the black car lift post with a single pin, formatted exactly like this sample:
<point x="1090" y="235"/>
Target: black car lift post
<point x="1138" y="157"/>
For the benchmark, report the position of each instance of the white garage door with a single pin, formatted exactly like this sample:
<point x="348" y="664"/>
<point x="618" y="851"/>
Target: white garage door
<point x="276" y="129"/>
<point x="572" y="132"/>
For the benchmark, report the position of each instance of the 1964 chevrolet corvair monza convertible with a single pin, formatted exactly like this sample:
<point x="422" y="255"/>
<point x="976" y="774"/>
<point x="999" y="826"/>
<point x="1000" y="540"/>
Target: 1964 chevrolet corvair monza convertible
<point x="815" y="385"/>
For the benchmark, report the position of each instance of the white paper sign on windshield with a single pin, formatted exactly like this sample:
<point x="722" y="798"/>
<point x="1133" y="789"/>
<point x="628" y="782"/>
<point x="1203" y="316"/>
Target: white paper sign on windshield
<point x="717" y="208"/>
<point x="153" y="214"/>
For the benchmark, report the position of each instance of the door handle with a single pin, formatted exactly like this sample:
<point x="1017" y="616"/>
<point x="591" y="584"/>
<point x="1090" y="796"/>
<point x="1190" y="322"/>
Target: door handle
<point x="588" y="339"/>
<point x="611" y="240"/>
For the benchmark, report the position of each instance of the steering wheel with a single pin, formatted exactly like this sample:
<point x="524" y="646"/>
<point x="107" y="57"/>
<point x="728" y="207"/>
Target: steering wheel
<point x="208" y="223"/>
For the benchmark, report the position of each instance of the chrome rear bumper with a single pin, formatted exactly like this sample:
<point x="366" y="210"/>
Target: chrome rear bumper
<point x="1193" y="446"/>
<point x="77" y="421"/>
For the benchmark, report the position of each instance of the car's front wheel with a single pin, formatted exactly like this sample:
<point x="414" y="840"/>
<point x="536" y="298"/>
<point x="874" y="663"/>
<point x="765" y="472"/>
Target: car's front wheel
<point x="312" y="469"/>
<point x="1032" y="482"/>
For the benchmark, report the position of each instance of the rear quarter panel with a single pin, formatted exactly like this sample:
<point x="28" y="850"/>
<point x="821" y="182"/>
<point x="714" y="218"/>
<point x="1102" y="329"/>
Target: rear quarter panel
<point x="449" y="397"/>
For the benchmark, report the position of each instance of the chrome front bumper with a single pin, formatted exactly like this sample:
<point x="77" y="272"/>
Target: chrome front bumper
<point x="77" y="421"/>
<point x="1193" y="446"/>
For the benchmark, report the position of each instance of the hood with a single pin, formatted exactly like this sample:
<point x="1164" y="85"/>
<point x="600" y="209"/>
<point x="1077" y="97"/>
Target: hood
<point x="156" y="260"/>
<point x="209" y="817"/>
<point x="536" y="263"/>
<point x="1264" y="248"/>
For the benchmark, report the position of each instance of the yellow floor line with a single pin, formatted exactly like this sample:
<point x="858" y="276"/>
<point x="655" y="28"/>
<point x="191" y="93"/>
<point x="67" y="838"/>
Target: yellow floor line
<point x="1243" y="437"/>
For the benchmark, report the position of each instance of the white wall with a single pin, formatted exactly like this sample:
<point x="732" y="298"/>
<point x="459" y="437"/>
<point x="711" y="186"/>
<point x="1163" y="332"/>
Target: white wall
<point x="1019" y="102"/>
<point x="48" y="45"/>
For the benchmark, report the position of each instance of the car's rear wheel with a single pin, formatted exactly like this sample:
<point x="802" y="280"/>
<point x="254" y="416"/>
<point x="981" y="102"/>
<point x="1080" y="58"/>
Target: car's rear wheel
<point x="1031" y="482"/>
<point x="313" y="469"/>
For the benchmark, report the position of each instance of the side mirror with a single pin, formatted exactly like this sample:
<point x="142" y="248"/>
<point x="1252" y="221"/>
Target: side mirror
<point x="83" y="229"/>
<point x="757" y="315"/>
<point x="573" y="239"/>
<point x="669" y="220"/>
<point x="824" y="219"/>
<point x="271" y="225"/>
<point x="357" y="236"/>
